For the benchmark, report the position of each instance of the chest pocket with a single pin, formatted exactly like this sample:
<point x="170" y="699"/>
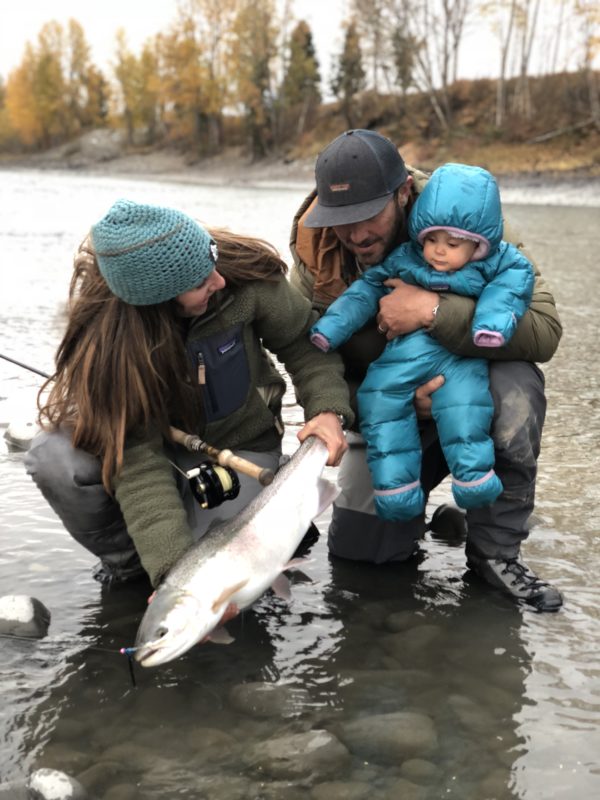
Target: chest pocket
<point x="221" y="364"/>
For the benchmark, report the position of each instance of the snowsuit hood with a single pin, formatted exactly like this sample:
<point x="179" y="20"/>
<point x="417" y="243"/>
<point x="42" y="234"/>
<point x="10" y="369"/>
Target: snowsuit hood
<point x="463" y="200"/>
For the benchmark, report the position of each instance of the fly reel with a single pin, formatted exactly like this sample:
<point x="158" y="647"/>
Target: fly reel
<point x="212" y="484"/>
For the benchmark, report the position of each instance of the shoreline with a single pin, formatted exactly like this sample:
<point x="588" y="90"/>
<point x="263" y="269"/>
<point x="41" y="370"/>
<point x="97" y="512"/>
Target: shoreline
<point x="234" y="169"/>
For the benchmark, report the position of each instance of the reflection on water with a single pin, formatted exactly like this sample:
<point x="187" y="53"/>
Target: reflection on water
<point x="381" y="682"/>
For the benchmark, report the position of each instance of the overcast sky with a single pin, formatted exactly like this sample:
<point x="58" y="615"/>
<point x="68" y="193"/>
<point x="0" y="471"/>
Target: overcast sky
<point x="21" y="21"/>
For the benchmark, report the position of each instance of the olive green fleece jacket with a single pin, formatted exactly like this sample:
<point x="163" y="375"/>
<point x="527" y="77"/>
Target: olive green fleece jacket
<point x="317" y="250"/>
<point x="272" y="315"/>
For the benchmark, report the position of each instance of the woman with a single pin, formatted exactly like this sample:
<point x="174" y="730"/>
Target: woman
<point x="157" y="336"/>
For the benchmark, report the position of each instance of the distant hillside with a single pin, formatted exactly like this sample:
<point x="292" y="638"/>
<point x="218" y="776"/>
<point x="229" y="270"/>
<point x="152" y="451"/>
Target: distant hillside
<point x="556" y="133"/>
<point x="560" y="134"/>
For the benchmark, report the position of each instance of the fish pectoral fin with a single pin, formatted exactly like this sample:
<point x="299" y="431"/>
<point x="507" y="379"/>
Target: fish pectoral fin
<point x="220" y="636"/>
<point x="282" y="588"/>
<point x="327" y="493"/>
<point x="296" y="564"/>
<point x="227" y="594"/>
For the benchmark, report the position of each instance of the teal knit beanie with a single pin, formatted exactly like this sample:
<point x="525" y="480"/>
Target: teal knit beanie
<point x="150" y="254"/>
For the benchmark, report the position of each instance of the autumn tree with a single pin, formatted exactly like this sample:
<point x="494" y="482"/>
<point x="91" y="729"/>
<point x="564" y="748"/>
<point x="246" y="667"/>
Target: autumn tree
<point x="98" y="94"/>
<point x="588" y="17"/>
<point x="369" y="18"/>
<point x="56" y="91"/>
<point x="433" y="30"/>
<point x="253" y="50"/>
<point x="36" y="89"/>
<point x="300" y="90"/>
<point x="50" y="87"/>
<point x="8" y="137"/>
<point x="349" y="75"/>
<point x="87" y="91"/>
<point x="196" y="69"/>
<point x="127" y="71"/>
<point x="526" y="24"/>
<point x="21" y="102"/>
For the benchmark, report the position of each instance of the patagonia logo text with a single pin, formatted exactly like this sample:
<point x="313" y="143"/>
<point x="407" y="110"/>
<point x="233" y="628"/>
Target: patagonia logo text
<point x="225" y="348"/>
<point x="339" y="187"/>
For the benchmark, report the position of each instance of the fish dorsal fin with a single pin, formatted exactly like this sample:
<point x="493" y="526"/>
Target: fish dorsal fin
<point x="227" y="593"/>
<point x="327" y="493"/>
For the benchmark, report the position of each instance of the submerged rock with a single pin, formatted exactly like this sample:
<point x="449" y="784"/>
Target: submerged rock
<point x="21" y="615"/>
<point x="315" y="754"/>
<point x="389" y="738"/>
<point x="268" y="700"/>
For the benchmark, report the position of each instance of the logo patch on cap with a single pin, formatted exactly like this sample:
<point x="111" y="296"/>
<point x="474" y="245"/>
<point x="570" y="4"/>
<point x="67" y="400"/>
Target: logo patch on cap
<point x="339" y="187"/>
<point x="214" y="251"/>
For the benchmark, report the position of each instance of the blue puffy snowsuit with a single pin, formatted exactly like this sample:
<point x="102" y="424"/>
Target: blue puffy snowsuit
<point x="463" y="199"/>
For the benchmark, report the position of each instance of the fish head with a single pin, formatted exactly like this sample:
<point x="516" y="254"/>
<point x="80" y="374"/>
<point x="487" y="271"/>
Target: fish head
<point x="173" y="622"/>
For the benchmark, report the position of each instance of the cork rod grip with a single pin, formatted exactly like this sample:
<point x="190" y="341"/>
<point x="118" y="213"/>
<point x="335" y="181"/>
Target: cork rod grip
<point x="223" y="457"/>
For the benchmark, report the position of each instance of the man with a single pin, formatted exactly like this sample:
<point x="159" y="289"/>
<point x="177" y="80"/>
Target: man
<point x="356" y="216"/>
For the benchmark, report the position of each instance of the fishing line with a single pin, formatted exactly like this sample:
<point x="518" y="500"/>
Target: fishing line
<point x="120" y="651"/>
<point x="126" y="651"/>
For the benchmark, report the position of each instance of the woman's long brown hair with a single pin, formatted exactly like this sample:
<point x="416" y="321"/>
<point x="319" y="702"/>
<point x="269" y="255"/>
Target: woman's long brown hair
<point x="123" y="368"/>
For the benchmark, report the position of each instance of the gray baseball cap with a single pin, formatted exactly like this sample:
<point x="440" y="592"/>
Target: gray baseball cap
<point x="356" y="176"/>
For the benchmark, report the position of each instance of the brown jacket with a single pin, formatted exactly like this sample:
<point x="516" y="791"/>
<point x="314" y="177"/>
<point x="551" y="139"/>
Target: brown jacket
<point x="323" y="268"/>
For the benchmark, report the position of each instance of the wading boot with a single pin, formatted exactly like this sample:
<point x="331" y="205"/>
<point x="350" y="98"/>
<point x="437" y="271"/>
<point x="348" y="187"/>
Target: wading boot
<point x="516" y="579"/>
<point x="111" y="573"/>
<point x="449" y="524"/>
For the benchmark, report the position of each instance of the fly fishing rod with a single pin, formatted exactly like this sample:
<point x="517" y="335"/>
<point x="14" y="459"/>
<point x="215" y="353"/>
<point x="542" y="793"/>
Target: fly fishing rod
<point x="224" y="458"/>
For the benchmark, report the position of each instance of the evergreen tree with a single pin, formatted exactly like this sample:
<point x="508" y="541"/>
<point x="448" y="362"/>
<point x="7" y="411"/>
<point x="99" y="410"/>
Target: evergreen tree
<point x="300" y="90"/>
<point x="349" y="76"/>
<point x="253" y="50"/>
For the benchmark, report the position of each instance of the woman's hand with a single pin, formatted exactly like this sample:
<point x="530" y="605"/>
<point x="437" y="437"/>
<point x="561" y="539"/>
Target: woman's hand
<point x="326" y="426"/>
<point x="406" y="309"/>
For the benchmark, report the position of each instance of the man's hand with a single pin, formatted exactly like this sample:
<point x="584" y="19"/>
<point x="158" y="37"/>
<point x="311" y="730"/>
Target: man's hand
<point x="406" y="309"/>
<point x="423" y="394"/>
<point x="326" y="426"/>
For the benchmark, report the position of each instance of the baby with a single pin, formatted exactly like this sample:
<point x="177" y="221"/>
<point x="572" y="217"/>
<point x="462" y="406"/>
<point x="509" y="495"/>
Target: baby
<point x="455" y="245"/>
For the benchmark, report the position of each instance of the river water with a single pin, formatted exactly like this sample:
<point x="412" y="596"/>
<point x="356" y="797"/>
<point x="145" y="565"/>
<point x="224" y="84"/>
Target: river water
<point x="485" y="700"/>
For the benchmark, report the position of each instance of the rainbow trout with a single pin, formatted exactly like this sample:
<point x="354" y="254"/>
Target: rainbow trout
<point x="237" y="560"/>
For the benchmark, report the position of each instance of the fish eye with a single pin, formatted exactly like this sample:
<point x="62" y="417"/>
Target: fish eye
<point x="162" y="632"/>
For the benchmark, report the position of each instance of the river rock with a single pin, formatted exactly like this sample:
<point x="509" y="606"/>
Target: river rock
<point x="316" y="753"/>
<point x="21" y="615"/>
<point x="261" y="699"/>
<point x="122" y="791"/>
<point x="419" y="770"/>
<point x="341" y="790"/>
<point x="389" y="738"/>
<point x="19" y="433"/>
<point x="51" y="784"/>
<point x="402" y="620"/>
<point x="406" y="644"/>
<point x="401" y="788"/>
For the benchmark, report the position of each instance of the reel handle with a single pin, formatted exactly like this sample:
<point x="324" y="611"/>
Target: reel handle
<point x="223" y="457"/>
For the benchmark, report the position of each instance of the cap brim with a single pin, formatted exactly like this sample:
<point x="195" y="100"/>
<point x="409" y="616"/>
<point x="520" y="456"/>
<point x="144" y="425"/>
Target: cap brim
<point x="329" y="216"/>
